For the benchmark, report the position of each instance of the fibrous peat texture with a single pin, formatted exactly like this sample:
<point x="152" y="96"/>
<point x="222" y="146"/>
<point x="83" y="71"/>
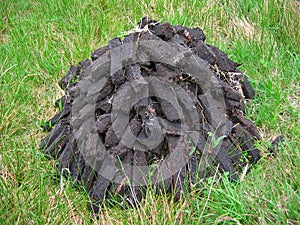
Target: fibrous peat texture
<point x="175" y="119"/>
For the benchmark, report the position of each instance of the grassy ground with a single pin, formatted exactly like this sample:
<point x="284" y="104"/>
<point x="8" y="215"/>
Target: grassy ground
<point x="38" y="41"/>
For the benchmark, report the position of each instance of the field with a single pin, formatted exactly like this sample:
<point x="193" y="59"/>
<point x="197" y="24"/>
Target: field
<point x="40" y="39"/>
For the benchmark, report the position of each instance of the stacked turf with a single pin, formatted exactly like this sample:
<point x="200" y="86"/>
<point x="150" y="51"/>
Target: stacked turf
<point x="235" y="148"/>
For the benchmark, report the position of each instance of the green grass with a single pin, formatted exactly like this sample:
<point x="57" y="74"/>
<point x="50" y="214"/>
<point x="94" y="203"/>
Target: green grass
<point x="38" y="41"/>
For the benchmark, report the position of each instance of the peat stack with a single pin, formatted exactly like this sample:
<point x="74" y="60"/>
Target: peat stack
<point x="160" y="107"/>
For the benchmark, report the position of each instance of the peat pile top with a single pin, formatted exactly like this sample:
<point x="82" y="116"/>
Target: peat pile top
<point x="159" y="108"/>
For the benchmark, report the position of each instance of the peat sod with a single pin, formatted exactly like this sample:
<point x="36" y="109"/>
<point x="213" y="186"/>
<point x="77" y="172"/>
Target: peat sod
<point x="235" y="150"/>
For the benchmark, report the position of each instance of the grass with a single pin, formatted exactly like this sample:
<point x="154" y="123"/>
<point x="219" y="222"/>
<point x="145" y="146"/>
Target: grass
<point x="38" y="41"/>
